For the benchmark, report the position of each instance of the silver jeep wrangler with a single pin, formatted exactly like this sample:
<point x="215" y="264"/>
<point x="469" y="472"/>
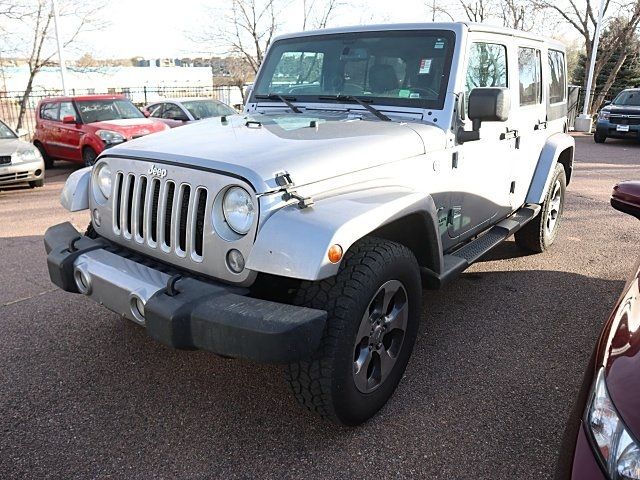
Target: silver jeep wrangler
<point x="369" y="163"/>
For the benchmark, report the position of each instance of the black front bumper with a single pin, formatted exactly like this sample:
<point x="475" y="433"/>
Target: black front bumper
<point x="191" y="313"/>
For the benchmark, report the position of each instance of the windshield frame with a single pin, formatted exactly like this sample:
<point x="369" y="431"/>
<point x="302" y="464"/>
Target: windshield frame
<point x="379" y="101"/>
<point x="12" y="135"/>
<point x="632" y="90"/>
<point x="106" y="100"/>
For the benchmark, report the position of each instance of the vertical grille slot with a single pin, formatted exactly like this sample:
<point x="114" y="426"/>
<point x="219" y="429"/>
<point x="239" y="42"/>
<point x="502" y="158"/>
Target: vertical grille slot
<point x="184" y="215"/>
<point x="142" y="196"/>
<point x="168" y="212"/>
<point x="201" y="205"/>
<point x="155" y="199"/>
<point x="117" y="203"/>
<point x="128" y="199"/>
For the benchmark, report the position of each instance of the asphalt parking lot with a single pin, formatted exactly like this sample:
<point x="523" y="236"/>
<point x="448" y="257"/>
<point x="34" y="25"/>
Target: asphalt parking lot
<point x="85" y="394"/>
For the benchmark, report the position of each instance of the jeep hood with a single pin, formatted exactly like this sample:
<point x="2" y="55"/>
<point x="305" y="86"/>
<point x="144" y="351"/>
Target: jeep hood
<point x="310" y="148"/>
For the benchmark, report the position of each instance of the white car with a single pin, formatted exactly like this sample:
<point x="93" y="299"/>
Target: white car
<point x="180" y="111"/>
<point x="370" y="162"/>
<point x="20" y="162"/>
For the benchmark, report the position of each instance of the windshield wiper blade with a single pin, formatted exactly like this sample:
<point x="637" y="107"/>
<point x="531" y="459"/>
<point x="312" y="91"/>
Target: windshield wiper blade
<point x="352" y="98"/>
<point x="275" y="96"/>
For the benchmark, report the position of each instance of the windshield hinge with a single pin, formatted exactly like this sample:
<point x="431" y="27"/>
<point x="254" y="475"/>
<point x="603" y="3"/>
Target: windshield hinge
<point x="284" y="180"/>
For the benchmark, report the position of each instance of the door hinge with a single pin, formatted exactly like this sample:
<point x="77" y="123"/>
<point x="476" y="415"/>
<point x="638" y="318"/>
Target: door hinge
<point x="540" y="126"/>
<point x="512" y="189"/>
<point x="454" y="160"/>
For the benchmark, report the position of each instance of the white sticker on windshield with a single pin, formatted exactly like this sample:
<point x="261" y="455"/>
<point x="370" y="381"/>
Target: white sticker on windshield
<point x="425" y="66"/>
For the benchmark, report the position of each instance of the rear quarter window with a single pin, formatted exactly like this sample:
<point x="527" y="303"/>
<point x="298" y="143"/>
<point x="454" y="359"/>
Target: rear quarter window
<point x="557" y="77"/>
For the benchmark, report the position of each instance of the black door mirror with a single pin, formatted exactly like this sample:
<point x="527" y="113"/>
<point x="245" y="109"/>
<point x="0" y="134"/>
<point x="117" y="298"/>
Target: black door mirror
<point x="488" y="104"/>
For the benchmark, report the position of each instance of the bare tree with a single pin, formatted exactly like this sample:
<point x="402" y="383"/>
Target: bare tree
<point x="581" y="16"/>
<point x="318" y="13"/>
<point x="476" y="11"/>
<point x="37" y="17"/>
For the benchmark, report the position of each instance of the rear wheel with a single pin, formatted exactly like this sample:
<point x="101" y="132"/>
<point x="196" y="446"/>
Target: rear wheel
<point x="599" y="137"/>
<point x="48" y="161"/>
<point x="540" y="233"/>
<point x="373" y="306"/>
<point x="89" y="156"/>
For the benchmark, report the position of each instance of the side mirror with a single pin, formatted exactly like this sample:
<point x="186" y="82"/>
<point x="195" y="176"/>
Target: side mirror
<point x="488" y="104"/>
<point x="606" y="102"/>
<point x="626" y="198"/>
<point x="68" y="119"/>
<point x="21" y="132"/>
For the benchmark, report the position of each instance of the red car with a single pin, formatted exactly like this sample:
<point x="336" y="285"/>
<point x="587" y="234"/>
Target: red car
<point x="602" y="439"/>
<point x="79" y="128"/>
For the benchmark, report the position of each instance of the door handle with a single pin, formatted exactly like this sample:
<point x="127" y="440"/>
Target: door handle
<point x="511" y="135"/>
<point x="540" y="126"/>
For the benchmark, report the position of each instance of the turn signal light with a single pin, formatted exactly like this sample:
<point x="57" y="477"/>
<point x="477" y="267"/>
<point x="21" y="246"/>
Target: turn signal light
<point x="335" y="253"/>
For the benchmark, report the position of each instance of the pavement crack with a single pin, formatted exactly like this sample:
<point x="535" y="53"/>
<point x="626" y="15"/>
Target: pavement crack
<point x="39" y="294"/>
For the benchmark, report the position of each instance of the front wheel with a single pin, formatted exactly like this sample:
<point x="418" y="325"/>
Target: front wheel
<point x="89" y="156"/>
<point x="540" y="233"/>
<point x="599" y="137"/>
<point x="373" y="307"/>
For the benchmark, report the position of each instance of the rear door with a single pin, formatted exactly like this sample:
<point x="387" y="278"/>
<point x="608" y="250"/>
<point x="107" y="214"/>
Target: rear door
<point x="69" y="134"/>
<point x="529" y="114"/>
<point x="49" y="126"/>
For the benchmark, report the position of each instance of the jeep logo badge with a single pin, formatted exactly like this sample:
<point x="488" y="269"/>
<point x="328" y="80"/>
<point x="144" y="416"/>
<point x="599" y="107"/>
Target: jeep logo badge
<point x="157" y="172"/>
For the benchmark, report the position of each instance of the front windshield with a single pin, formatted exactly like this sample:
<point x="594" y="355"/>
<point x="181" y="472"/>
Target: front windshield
<point x="405" y="68"/>
<point x="207" y="108"/>
<point x="106" y="110"/>
<point x="628" y="98"/>
<point x="5" y="132"/>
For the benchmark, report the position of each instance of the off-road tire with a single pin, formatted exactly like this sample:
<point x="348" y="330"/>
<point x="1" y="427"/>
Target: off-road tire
<point x="325" y="384"/>
<point x="36" y="183"/>
<point x="89" y="156"/>
<point x="534" y="236"/>
<point x="48" y="161"/>
<point x="599" y="138"/>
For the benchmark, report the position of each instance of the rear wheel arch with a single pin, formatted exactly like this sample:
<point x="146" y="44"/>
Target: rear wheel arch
<point x="566" y="160"/>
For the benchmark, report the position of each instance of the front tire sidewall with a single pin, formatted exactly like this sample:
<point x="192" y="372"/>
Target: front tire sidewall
<point x="549" y="237"/>
<point x="89" y="156"/>
<point x="352" y="406"/>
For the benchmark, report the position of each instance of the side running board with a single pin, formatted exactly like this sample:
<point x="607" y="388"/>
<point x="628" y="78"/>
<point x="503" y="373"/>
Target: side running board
<point x="459" y="260"/>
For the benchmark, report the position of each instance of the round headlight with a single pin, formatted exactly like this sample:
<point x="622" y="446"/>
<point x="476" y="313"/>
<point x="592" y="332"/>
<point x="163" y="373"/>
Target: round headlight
<point x="103" y="178"/>
<point x="238" y="210"/>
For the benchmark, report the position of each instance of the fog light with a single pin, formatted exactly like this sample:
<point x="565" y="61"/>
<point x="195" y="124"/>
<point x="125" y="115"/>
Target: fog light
<point x="235" y="261"/>
<point x="137" y="309"/>
<point x="96" y="217"/>
<point x="82" y="281"/>
<point x="38" y="172"/>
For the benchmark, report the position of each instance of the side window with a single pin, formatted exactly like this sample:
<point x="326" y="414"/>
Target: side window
<point x="155" y="110"/>
<point x="49" y="111"/>
<point x="172" y="111"/>
<point x="529" y="66"/>
<point x="66" y="110"/>
<point x="487" y="66"/>
<point x="558" y="80"/>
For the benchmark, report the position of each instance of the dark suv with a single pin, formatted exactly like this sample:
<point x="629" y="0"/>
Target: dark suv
<point x="620" y="118"/>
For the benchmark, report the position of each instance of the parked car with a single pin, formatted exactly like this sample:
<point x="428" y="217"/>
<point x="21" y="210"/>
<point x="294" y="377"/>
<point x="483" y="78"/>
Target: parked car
<point x="19" y="161"/>
<point x="370" y="162"/>
<point x="78" y="129"/>
<point x="620" y="118"/>
<point x="177" y="112"/>
<point x="602" y="441"/>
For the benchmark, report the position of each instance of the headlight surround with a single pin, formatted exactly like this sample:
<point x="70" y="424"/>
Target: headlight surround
<point x="618" y="451"/>
<point x="104" y="179"/>
<point x="28" y="155"/>
<point x="238" y="209"/>
<point x="109" y="137"/>
<point x="604" y="115"/>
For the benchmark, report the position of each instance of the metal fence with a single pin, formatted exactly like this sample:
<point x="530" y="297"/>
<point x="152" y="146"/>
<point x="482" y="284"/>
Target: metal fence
<point x="10" y="101"/>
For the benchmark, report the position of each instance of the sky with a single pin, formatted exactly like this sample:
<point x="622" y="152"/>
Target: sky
<point x="165" y="28"/>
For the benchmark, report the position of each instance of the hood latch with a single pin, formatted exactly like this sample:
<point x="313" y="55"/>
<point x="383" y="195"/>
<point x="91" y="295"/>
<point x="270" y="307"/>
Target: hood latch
<point x="284" y="180"/>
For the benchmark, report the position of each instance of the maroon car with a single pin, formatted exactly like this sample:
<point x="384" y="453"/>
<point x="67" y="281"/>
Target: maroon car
<point x="602" y="440"/>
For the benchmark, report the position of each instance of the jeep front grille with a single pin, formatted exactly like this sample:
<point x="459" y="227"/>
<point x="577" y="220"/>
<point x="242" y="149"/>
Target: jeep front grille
<point x="160" y="213"/>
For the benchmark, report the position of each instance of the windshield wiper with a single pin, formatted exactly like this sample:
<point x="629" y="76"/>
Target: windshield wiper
<point x="275" y="96"/>
<point x="351" y="98"/>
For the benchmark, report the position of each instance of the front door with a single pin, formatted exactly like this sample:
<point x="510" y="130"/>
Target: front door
<point x="69" y="134"/>
<point x="482" y="175"/>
